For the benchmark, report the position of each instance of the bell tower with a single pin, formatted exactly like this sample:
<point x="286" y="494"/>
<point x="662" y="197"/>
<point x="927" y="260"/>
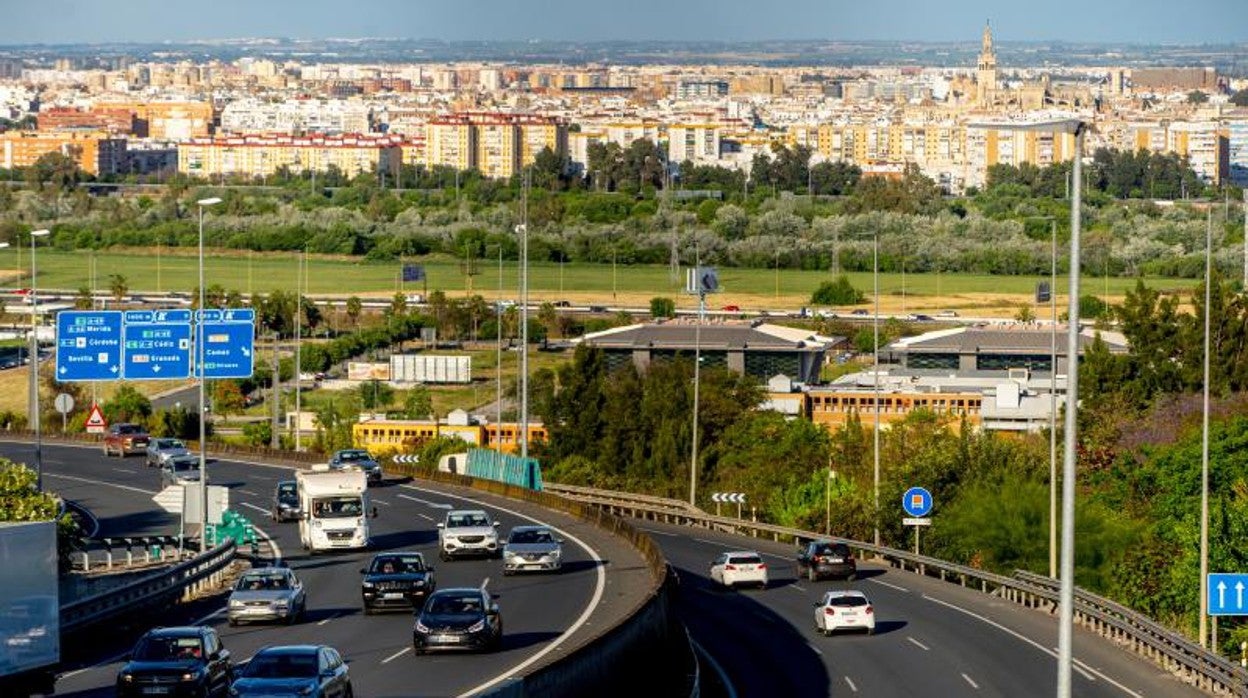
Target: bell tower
<point x="986" y="71"/>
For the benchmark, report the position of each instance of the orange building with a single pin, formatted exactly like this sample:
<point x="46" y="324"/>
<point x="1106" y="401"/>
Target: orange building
<point x="389" y="436"/>
<point x="166" y="120"/>
<point x="95" y="152"/>
<point x="117" y="121"/>
<point x="833" y="408"/>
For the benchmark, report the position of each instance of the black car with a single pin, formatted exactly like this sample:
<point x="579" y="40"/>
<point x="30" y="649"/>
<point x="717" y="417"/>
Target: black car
<point x="458" y="619"/>
<point x="286" y="505"/>
<point x="396" y="580"/>
<point x="185" y="661"/>
<point x="821" y="558"/>
<point x="357" y="458"/>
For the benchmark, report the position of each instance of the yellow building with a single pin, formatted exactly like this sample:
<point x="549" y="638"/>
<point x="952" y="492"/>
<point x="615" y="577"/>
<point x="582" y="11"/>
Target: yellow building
<point x="498" y="145"/>
<point x="390" y="436"/>
<point x="451" y="141"/>
<point x="95" y="152"/>
<point x="260" y="156"/>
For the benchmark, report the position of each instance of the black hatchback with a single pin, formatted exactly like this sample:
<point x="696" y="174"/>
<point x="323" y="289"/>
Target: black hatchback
<point x="396" y="580"/>
<point x="184" y="661"/>
<point x="821" y="558"/>
<point x="458" y="619"/>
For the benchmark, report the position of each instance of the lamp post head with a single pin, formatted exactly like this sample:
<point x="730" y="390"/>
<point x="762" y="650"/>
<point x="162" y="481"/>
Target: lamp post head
<point x="40" y="233"/>
<point x="522" y="229"/>
<point x="209" y="201"/>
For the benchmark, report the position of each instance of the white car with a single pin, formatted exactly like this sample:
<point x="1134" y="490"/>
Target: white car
<point x="468" y="532"/>
<point x="739" y="569"/>
<point x="844" y="610"/>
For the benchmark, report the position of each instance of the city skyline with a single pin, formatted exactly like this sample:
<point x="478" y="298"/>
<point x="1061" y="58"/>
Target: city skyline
<point x="152" y="21"/>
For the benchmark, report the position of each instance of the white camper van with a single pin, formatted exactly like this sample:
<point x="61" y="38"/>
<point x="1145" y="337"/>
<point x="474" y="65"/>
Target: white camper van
<point x="335" y="509"/>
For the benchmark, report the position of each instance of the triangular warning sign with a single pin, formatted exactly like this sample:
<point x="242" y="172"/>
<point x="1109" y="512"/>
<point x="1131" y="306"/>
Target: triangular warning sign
<point x="96" y="423"/>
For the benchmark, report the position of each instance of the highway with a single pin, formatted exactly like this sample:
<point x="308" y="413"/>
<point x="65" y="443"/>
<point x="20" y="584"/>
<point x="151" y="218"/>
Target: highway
<point x="537" y="610"/>
<point x="932" y="638"/>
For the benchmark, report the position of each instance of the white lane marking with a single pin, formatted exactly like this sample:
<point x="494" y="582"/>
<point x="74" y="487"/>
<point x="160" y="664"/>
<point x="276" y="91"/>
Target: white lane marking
<point x="600" y="584"/>
<point x="1086" y="674"/>
<point x="918" y="644"/>
<point x="396" y="655"/>
<point x="249" y="505"/>
<point x="89" y="481"/>
<point x="484" y="584"/>
<point x="249" y="493"/>
<point x="326" y="621"/>
<point x="425" y="516"/>
<point x="260" y="477"/>
<point x="852" y="687"/>
<point x="890" y="586"/>
<point x="121" y="470"/>
<point x="717" y="544"/>
<point x="719" y="669"/>
<point x="657" y="532"/>
<point x="426" y="502"/>
<point x="381" y="502"/>
<point x="816" y="649"/>
<point x="971" y="681"/>
<point x="781" y="558"/>
<point x="797" y="587"/>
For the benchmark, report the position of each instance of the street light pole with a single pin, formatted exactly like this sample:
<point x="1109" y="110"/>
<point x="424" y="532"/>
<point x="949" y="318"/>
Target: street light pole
<point x="199" y="364"/>
<point x="1204" y="443"/>
<point x="34" y="358"/>
<point x="299" y="280"/>
<point x="697" y="376"/>
<point x="1053" y="403"/>
<point x="523" y="229"/>
<point x="875" y="379"/>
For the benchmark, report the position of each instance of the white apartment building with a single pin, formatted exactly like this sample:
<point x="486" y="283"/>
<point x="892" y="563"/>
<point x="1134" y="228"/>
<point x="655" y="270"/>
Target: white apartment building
<point x="327" y="116"/>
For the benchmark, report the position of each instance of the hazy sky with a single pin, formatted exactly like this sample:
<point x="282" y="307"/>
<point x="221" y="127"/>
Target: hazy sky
<point x="1145" y="21"/>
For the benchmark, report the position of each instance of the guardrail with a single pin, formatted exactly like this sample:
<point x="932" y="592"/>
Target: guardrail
<point x="182" y="580"/>
<point x="629" y="657"/>
<point x="1113" y="621"/>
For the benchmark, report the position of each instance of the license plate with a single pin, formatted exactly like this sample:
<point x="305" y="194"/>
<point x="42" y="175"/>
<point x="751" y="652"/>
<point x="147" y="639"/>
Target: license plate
<point x="154" y="690"/>
<point x="446" y="638"/>
<point x="392" y="595"/>
<point x="834" y="560"/>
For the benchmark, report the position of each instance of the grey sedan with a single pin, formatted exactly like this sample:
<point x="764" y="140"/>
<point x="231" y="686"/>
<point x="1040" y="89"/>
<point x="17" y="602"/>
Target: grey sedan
<point x="160" y="451"/>
<point x="267" y="593"/>
<point x="532" y="548"/>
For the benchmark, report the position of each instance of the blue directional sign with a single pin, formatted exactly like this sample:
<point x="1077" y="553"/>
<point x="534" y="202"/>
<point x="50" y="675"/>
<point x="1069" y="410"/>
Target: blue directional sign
<point x="917" y="502"/>
<point x="88" y="345"/>
<point x="227" y="338"/>
<point x="1228" y="594"/>
<point x="157" y="344"/>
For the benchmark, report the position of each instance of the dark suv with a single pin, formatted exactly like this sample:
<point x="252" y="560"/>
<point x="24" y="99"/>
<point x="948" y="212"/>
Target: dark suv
<point x="186" y="661"/>
<point x="396" y="580"/>
<point x="822" y="558"/>
<point x="125" y="440"/>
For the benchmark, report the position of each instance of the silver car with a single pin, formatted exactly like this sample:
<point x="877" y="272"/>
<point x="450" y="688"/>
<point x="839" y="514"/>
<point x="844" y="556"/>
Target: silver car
<point x="160" y="451"/>
<point x="182" y="470"/>
<point x="532" y="548"/>
<point x="267" y="593"/>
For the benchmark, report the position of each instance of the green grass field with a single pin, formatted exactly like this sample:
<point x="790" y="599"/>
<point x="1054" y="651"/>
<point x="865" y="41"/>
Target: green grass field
<point x="177" y="270"/>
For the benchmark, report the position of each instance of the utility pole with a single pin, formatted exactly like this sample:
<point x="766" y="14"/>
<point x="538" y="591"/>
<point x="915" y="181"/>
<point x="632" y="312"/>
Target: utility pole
<point x="275" y="394"/>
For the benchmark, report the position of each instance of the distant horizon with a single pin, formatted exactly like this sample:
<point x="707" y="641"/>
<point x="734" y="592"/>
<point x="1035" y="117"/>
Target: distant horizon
<point x="1132" y="22"/>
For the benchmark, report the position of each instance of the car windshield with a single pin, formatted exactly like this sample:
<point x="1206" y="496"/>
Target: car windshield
<point x="350" y="456"/>
<point x="531" y="536"/>
<point x="128" y="429"/>
<point x="168" y="649"/>
<point x="829" y="549"/>
<point x="288" y="493"/>
<point x="745" y="560"/>
<point x="183" y="466"/>
<point x="470" y="519"/>
<point x="167" y="444"/>
<point x="281" y="666"/>
<point x="337" y="508"/>
<point x="397" y="564"/>
<point x="263" y="582"/>
<point x="846" y="601"/>
<point x="455" y="603"/>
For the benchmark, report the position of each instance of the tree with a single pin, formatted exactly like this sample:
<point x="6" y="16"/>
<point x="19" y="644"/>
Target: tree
<point x="227" y="397"/>
<point x="354" y="307"/>
<point x="375" y="394"/>
<point x="661" y="307"/>
<point x="418" y="404"/>
<point x="83" y="299"/>
<point x="398" y="305"/>
<point x="839" y="292"/>
<point x="19" y="500"/>
<point x="1197" y="97"/>
<point x="1025" y="314"/>
<point x="55" y="168"/>
<point x="127" y="405"/>
<point x="1240" y="98"/>
<point x="118" y="285"/>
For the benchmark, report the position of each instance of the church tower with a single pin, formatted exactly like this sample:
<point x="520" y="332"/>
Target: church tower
<point x="986" y="73"/>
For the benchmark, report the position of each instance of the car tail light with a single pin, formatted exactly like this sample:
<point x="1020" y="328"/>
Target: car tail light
<point x="730" y="567"/>
<point x="829" y="611"/>
<point x="869" y="610"/>
<point x="762" y="565"/>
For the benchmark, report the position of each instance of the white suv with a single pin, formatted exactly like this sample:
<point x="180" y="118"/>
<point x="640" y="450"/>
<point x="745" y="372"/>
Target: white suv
<point x="468" y="532"/>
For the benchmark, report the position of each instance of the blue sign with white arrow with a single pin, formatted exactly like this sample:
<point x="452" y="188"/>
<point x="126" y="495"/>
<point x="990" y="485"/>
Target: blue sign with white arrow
<point x="917" y="502"/>
<point x="226" y="338"/>
<point x="157" y="344"/>
<point x="88" y="345"/>
<point x="1226" y="594"/>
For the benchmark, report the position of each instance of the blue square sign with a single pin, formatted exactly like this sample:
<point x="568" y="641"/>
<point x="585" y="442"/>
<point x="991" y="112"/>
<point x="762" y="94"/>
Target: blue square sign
<point x="226" y="339"/>
<point x="157" y="344"/>
<point x="88" y="345"/>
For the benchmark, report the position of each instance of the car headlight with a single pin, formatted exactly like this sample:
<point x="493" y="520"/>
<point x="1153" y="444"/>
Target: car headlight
<point x="369" y="585"/>
<point x="555" y="553"/>
<point x="418" y="583"/>
<point x="234" y="603"/>
<point x="190" y="676"/>
<point x="127" y="678"/>
<point x="421" y="628"/>
<point x="281" y="603"/>
<point x="477" y="627"/>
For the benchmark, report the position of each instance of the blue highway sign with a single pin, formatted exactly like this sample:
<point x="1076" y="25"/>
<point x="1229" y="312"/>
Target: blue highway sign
<point x="917" y="502"/>
<point x="227" y="340"/>
<point x="88" y="345"/>
<point x="1226" y="594"/>
<point x="157" y="344"/>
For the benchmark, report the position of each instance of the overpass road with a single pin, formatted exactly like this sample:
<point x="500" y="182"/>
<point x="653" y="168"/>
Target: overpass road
<point x="932" y="638"/>
<point x="544" y="616"/>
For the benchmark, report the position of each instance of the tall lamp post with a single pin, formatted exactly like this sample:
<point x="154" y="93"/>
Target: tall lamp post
<point x="1065" y="637"/>
<point x="34" y="357"/>
<point x="1204" y="444"/>
<point x="199" y="375"/>
<point x="875" y="378"/>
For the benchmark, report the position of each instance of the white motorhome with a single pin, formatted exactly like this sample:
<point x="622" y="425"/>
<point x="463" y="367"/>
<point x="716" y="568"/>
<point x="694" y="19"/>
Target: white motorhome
<point x="335" y="509"/>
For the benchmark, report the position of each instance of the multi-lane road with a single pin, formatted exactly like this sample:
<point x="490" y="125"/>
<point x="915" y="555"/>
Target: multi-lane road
<point x="932" y="638"/>
<point x="544" y="616"/>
